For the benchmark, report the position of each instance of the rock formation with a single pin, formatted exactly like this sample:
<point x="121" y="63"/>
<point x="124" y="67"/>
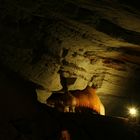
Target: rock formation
<point x="83" y="40"/>
<point x="77" y="101"/>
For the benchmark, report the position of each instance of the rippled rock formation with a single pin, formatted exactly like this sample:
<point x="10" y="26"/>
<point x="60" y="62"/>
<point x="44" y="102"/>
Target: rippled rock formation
<point x="96" y="42"/>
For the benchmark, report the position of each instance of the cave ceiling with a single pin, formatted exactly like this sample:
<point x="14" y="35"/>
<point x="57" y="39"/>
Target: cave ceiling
<point x="89" y="42"/>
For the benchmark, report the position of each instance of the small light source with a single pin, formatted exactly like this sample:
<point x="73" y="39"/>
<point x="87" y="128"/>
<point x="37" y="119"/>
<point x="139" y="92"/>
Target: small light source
<point x="133" y="112"/>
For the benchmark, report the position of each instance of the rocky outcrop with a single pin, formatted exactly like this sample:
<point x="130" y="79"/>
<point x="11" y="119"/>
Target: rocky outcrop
<point x="23" y="118"/>
<point x="82" y="41"/>
<point x="77" y="101"/>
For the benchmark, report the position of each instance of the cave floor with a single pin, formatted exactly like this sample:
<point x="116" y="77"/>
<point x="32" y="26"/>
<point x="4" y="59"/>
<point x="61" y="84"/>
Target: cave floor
<point x="47" y="125"/>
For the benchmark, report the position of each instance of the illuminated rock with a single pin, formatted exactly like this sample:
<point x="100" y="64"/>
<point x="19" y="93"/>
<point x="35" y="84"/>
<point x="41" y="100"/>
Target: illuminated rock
<point x="95" y="42"/>
<point x="77" y="101"/>
<point x="43" y="95"/>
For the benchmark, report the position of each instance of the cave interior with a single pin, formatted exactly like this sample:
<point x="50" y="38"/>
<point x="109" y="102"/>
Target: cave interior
<point x="69" y="69"/>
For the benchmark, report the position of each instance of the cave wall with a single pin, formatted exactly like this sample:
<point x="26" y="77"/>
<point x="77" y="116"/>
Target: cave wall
<point x="22" y="117"/>
<point x="87" y="42"/>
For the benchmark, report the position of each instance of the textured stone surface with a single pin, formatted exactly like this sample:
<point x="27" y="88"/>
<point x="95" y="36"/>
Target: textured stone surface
<point x="42" y="95"/>
<point x="96" y="42"/>
<point x="23" y="118"/>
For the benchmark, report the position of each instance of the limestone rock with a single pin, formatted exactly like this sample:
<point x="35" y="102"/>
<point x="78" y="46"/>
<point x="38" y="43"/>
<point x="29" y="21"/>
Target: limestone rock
<point x="94" y="42"/>
<point x="79" y="84"/>
<point x="43" y="95"/>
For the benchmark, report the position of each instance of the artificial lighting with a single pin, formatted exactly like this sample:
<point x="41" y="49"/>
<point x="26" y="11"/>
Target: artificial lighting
<point x="133" y="111"/>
